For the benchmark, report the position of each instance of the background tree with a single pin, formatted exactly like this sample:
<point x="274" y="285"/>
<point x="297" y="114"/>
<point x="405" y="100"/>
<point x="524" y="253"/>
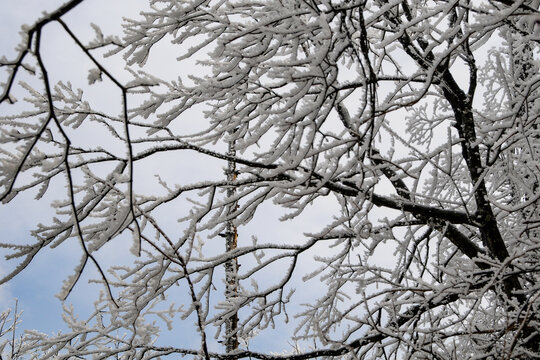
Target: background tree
<point x="412" y="125"/>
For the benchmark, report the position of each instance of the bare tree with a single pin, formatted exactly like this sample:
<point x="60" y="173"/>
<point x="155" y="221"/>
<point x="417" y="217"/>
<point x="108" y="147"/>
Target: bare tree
<point x="412" y="125"/>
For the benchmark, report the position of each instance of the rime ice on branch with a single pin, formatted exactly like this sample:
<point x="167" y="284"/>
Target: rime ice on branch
<point x="399" y="141"/>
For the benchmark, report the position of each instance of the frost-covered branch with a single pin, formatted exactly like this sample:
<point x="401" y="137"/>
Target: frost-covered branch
<point x="385" y="178"/>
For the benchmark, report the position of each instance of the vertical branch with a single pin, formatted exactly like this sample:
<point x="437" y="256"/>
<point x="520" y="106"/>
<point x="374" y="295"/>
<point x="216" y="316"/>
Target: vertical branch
<point x="15" y="318"/>
<point x="231" y="266"/>
<point x="523" y="68"/>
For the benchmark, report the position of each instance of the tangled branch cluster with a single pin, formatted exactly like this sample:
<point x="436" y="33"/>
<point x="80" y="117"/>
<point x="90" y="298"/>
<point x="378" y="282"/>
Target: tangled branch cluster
<point x="412" y="125"/>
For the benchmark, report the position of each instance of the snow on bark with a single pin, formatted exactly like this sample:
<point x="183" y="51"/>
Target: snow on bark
<point x="381" y="162"/>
